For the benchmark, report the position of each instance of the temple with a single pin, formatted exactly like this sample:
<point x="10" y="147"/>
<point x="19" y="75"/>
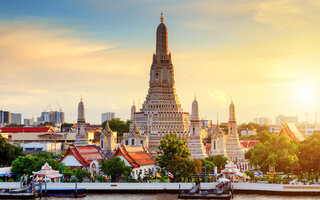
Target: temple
<point x="233" y="146"/>
<point x="81" y="132"/>
<point x="161" y="112"/>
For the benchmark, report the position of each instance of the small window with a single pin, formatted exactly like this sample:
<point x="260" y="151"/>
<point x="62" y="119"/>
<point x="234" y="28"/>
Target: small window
<point x="101" y="144"/>
<point x="127" y="142"/>
<point x="132" y="142"/>
<point x="141" y="142"/>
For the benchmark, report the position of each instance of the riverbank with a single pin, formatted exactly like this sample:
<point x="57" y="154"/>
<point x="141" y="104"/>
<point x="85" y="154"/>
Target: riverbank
<point x="239" y="188"/>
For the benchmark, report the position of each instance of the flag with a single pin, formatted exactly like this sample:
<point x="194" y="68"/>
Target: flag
<point x="106" y="177"/>
<point x="158" y="175"/>
<point x="8" y="174"/>
<point x="257" y="175"/>
<point x="170" y="175"/>
<point x="92" y="176"/>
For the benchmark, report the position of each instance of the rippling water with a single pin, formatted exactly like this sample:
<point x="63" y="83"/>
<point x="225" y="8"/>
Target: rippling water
<point x="161" y="196"/>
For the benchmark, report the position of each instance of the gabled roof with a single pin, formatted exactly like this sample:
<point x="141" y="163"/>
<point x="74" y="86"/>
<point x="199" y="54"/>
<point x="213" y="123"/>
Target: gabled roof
<point x="135" y="131"/>
<point x="107" y="130"/>
<point x="86" y="154"/>
<point x="135" y="155"/>
<point x="292" y="131"/>
<point x="26" y="129"/>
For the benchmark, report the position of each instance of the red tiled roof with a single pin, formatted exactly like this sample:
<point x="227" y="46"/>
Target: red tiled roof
<point x="249" y="143"/>
<point x="86" y="154"/>
<point x="26" y="129"/>
<point x="135" y="155"/>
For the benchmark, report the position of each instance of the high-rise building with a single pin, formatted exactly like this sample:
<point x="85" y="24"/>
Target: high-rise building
<point x="107" y="116"/>
<point x="5" y="117"/>
<point x="286" y="119"/>
<point x="161" y="113"/>
<point x="15" y="118"/>
<point x="81" y="132"/>
<point x="27" y="122"/>
<point x="56" y="117"/>
<point x="262" y="121"/>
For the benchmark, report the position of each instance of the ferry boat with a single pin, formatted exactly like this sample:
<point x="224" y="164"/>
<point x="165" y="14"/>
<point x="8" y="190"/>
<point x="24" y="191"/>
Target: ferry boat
<point x="223" y="190"/>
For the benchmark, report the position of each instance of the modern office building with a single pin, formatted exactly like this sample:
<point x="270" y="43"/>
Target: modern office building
<point x="15" y="118"/>
<point x="4" y="117"/>
<point x="107" y="116"/>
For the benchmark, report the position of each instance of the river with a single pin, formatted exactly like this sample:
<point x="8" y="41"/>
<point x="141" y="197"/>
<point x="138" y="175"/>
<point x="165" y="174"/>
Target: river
<point x="161" y="196"/>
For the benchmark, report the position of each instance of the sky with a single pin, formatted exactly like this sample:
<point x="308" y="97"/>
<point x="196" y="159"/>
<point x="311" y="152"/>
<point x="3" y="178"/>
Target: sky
<point x="263" y="54"/>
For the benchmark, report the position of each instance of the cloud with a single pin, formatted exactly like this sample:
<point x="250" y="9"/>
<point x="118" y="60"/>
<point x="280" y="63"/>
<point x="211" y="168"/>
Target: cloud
<point x="287" y="13"/>
<point x="219" y="96"/>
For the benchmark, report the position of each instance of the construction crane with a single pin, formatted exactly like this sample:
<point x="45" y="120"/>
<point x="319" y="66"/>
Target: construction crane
<point x="47" y="107"/>
<point x="59" y="106"/>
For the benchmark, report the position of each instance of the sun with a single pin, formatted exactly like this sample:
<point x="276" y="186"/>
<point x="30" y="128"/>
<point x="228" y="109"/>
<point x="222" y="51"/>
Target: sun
<point x="305" y="92"/>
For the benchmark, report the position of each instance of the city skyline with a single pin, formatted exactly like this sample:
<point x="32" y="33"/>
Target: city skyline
<point x="98" y="48"/>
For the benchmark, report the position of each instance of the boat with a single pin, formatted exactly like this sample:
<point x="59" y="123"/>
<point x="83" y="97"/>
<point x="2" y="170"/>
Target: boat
<point x="18" y="193"/>
<point x="223" y="190"/>
<point x="63" y="193"/>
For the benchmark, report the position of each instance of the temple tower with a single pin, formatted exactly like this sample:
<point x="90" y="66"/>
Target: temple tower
<point x="108" y="140"/>
<point x="233" y="147"/>
<point x="161" y="112"/>
<point x="218" y="141"/>
<point x="81" y="132"/>
<point x="195" y="144"/>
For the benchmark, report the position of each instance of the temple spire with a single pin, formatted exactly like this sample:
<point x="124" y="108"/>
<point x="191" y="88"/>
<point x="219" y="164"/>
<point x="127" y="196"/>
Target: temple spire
<point x="161" y="18"/>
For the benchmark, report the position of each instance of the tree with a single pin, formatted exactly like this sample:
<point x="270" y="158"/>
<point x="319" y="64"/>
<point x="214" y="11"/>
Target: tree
<point x="115" y="167"/>
<point x="47" y="124"/>
<point x="264" y="136"/>
<point x="80" y="174"/>
<point x="218" y="160"/>
<point x="30" y="163"/>
<point x="116" y="124"/>
<point x="65" y="126"/>
<point x="280" y="151"/>
<point x="309" y="153"/>
<point x="15" y="125"/>
<point x="258" y="127"/>
<point x="170" y="148"/>
<point x="8" y="152"/>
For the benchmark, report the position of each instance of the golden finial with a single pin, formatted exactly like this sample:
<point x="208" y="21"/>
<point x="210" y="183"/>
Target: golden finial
<point x="80" y="97"/>
<point x="195" y="96"/>
<point x="161" y="18"/>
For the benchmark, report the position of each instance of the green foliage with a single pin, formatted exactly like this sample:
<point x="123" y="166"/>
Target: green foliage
<point x="31" y="163"/>
<point x="15" y="125"/>
<point x="117" y="125"/>
<point x="80" y="174"/>
<point x="280" y="151"/>
<point x="115" y="167"/>
<point x="209" y="165"/>
<point x="250" y="174"/>
<point x="8" y="152"/>
<point x="309" y="153"/>
<point x="183" y="169"/>
<point x="258" y="127"/>
<point x="66" y="125"/>
<point x="218" y="160"/>
<point x="67" y="172"/>
<point x="171" y="148"/>
<point x="264" y="136"/>
<point x="100" y="178"/>
<point x="47" y="124"/>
